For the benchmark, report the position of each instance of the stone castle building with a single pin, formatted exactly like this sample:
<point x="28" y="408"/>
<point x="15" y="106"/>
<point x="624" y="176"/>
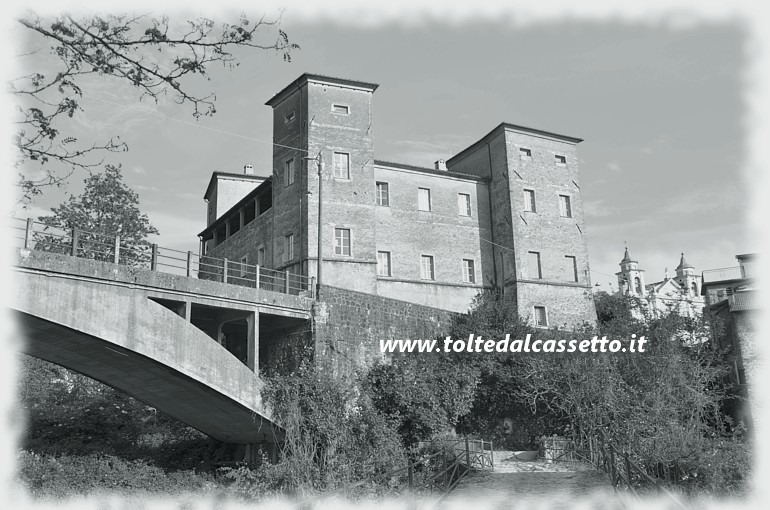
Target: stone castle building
<point x="505" y="213"/>
<point x="681" y="292"/>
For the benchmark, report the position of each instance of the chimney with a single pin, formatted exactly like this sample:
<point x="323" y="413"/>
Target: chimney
<point x="248" y="170"/>
<point x="440" y="164"/>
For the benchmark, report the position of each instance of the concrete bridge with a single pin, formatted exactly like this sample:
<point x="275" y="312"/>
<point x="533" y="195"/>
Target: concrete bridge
<point x="189" y="347"/>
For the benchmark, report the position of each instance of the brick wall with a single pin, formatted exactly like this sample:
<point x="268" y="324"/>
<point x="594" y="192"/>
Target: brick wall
<point x="347" y="203"/>
<point x="349" y="326"/>
<point x="246" y="242"/>
<point x="442" y="233"/>
<point x="544" y="231"/>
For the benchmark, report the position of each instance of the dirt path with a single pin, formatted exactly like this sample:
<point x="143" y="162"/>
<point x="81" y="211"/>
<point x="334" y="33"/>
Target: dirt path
<point x="518" y="484"/>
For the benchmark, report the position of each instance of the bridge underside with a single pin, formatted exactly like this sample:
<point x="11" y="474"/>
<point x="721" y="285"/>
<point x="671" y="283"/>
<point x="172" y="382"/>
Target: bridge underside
<point x="187" y="347"/>
<point x="155" y="384"/>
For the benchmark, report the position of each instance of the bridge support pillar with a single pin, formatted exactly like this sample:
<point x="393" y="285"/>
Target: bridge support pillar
<point x="252" y="335"/>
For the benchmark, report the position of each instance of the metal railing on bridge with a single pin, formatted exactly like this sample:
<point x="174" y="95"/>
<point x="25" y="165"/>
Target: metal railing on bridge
<point x="75" y="242"/>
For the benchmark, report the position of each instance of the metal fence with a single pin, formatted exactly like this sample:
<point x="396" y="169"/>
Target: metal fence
<point x="625" y="474"/>
<point x="75" y="242"/>
<point x="437" y="472"/>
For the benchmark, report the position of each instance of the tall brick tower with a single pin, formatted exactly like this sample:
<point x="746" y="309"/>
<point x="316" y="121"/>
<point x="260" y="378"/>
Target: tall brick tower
<point x="541" y="253"/>
<point x="331" y="118"/>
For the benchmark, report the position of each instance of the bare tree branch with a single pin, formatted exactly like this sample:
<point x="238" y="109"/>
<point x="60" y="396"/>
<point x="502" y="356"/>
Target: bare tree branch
<point x="145" y="52"/>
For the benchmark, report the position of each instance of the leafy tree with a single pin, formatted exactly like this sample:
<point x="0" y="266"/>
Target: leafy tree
<point x="155" y="55"/>
<point x="106" y="208"/>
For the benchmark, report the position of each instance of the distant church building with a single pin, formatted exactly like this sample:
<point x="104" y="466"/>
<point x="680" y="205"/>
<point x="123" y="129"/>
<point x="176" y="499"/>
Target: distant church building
<point x="680" y="292"/>
<point x="505" y="213"/>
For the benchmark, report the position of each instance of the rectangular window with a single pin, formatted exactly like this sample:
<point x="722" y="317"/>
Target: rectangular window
<point x="535" y="271"/>
<point x="469" y="271"/>
<point x="342" y="109"/>
<point x="565" y="206"/>
<point x="572" y="269"/>
<point x="342" y="165"/>
<point x="244" y="268"/>
<point x="529" y="200"/>
<point x="261" y="256"/>
<point x="525" y="153"/>
<point x="383" y="196"/>
<point x="423" y="199"/>
<point x="560" y="160"/>
<point x="463" y="204"/>
<point x="541" y="317"/>
<point x="289" y="117"/>
<point x="383" y="263"/>
<point x="288" y="248"/>
<point x="342" y="241"/>
<point x="288" y="173"/>
<point x="426" y="267"/>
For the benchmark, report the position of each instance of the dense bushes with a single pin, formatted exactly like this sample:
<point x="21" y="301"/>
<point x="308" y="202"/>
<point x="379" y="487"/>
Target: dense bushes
<point x="333" y="436"/>
<point x="48" y="476"/>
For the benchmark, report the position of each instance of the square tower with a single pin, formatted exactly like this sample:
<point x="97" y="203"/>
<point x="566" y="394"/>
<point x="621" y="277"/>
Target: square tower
<point x="329" y="119"/>
<point x="536" y="207"/>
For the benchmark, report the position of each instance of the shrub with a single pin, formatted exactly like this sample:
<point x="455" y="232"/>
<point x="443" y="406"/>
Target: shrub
<point x="334" y="436"/>
<point x="47" y="476"/>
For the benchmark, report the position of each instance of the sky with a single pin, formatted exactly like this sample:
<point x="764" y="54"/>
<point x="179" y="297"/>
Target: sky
<point x="660" y="101"/>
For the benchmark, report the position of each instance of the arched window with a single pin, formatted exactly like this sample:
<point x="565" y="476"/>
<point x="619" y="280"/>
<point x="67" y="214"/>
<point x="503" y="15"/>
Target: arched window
<point x="638" y="284"/>
<point x="694" y="289"/>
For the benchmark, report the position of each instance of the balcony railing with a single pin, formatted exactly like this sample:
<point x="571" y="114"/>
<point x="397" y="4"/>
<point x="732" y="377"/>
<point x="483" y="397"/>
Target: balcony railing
<point x="33" y="235"/>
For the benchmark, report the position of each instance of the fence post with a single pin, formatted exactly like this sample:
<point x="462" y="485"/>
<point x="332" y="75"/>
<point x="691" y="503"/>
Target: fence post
<point x="189" y="264"/>
<point x="443" y="456"/>
<point x="224" y="271"/>
<point x="117" y="250"/>
<point x="28" y="234"/>
<point x="491" y="455"/>
<point x="74" y="242"/>
<point x="287" y="281"/>
<point x="154" y="258"/>
<point x="410" y="475"/>
<point x="628" y="470"/>
<point x="612" y="465"/>
<point x="256" y="276"/>
<point x="468" y="453"/>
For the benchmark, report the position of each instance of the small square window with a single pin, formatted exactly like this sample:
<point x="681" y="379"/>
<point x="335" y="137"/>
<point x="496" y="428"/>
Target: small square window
<point x="383" y="196"/>
<point x="525" y="153"/>
<point x="288" y="174"/>
<point x="342" y="241"/>
<point x="529" y="200"/>
<point x="342" y="109"/>
<point x="383" y="263"/>
<point x="426" y="267"/>
<point x="561" y="160"/>
<point x="342" y="165"/>
<point x="535" y="270"/>
<point x="565" y="206"/>
<point x="423" y="199"/>
<point x="288" y="248"/>
<point x="463" y="204"/>
<point x="289" y="117"/>
<point x="469" y="271"/>
<point x="541" y="317"/>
